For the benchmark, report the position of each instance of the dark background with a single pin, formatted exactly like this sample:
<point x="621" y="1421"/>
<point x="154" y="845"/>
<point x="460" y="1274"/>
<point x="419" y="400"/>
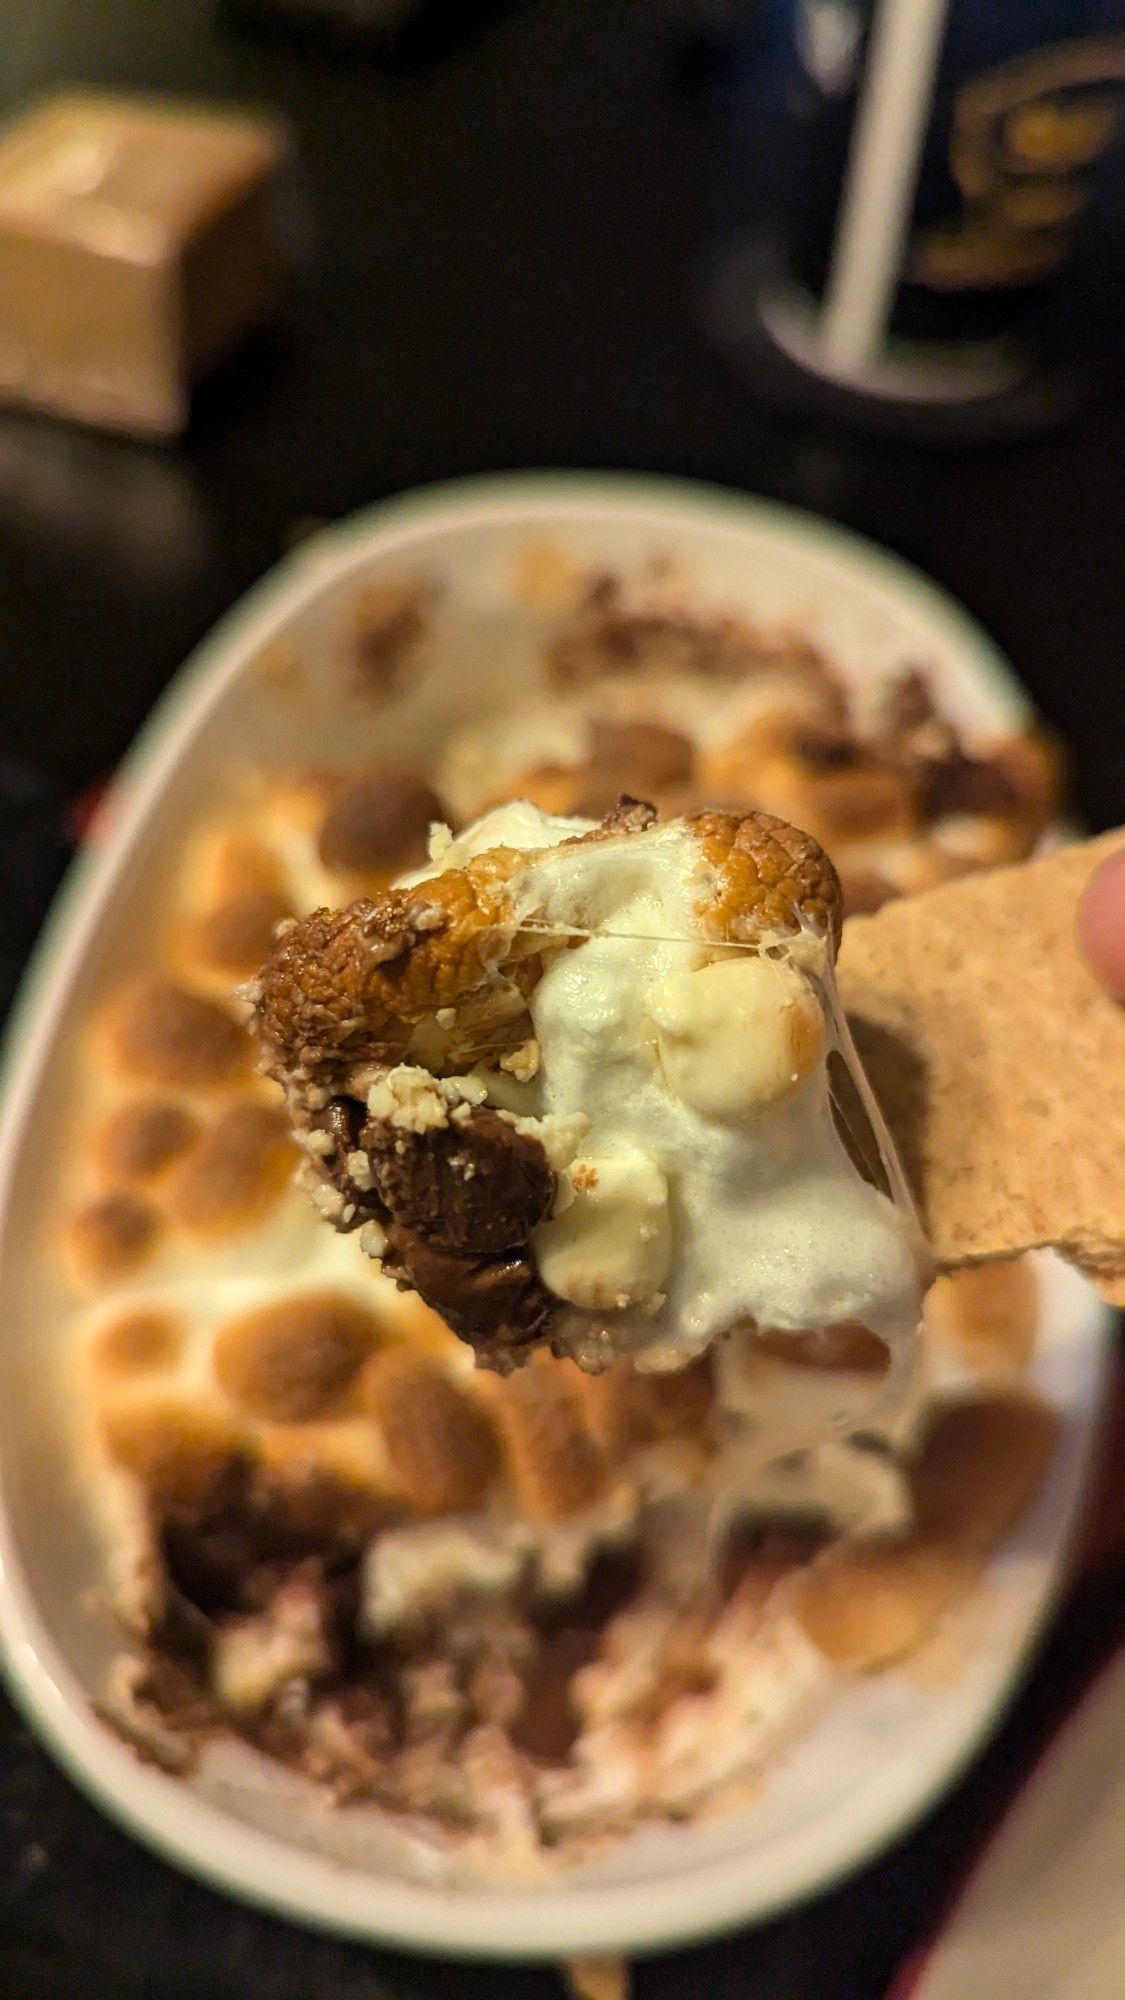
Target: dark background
<point x="507" y="235"/>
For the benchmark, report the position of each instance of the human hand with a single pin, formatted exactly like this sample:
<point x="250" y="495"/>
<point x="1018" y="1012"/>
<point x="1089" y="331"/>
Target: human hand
<point x="1101" y="924"/>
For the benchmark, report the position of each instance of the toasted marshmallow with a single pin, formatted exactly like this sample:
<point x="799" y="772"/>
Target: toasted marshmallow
<point x="675" y="982"/>
<point x="737" y="1034"/>
<point x="700" y="1067"/>
<point x="609" y="1244"/>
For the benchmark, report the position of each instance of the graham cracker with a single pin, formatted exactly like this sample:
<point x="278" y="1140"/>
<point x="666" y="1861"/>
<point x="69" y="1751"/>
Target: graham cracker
<point x="999" y="1062"/>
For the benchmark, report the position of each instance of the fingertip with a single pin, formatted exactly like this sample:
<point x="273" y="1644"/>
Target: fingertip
<point x="1101" y="924"/>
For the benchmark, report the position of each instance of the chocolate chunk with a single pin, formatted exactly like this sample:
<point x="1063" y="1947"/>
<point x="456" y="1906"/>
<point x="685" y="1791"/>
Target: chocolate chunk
<point x="342" y="1119"/>
<point x="1033" y="767"/>
<point x="547" y="1724"/>
<point x="232" y="1554"/>
<point x="613" y="1581"/>
<point x="630" y="815"/>
<point x="212" y="1558"/>
<point x="497" y="1304"/>
<point x="379" y="822"/>
<point x="607" y="634"/>
<point x="627" y="815"/>
<point x="477" y="1185"/>
<point x="570" y="1634"/>
<point x="918" y="739"/>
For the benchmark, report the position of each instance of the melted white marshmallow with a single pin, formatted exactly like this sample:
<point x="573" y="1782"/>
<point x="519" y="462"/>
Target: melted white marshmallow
<point x="737" y="1034"/>
<point x="704" y="1184"/>
<point x="701" y="1069"/>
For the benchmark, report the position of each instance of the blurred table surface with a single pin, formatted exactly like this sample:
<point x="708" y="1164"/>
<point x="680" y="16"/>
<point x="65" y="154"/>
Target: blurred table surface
<point x="507" y="236"/>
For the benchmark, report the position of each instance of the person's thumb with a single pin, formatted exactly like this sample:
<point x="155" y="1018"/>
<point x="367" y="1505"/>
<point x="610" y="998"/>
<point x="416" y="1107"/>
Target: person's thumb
<point x="1101" y="924"/>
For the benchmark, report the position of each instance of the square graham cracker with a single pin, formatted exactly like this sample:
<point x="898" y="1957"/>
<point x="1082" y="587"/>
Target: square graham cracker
<point x="999" y="1063"/>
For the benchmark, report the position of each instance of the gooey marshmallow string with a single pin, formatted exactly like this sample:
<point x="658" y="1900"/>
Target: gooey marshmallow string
<point x="681" y="1091"/>
<point x="669" y="1044"/>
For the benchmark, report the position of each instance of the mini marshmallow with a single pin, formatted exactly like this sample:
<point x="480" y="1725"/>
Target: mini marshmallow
<point x="737" y="1034"/>
<point x="610" y="1242"/>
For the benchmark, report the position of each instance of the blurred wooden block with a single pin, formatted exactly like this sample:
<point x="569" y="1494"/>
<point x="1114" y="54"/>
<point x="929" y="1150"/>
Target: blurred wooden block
<point x="140" y="239"/>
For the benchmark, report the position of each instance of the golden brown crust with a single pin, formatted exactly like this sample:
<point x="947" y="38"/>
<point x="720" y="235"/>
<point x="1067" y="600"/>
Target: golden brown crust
<point x="770" y="878"/>
<point x="865" y="1607"/>
<point x="554" y="1466"/>
<point x="111" y="1236"/>
<point x="162" y="1033"/>
<point x="239" y="861"/>
<point x="297" y="1359"/>
<point x="625" y="1409"/>
<point x="905" y="798"/>
<point x="553" y="788"/>
<point x="978" y="1468"/>
<point x="980" y="1465"/>
<point x="346" y="986"/>
<point x="235" y="936"/>
<point x="133" y="1343"/>
<point x="140" y="1140"/>
<point x="439" y="1441"/>
<point x="234" y="1172"/>
<point x="812" y="769"/>
<point x="378" y="823"/>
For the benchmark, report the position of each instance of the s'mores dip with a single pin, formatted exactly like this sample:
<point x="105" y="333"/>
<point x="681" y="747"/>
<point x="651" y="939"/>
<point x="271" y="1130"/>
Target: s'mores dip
<point x="465" y="1432"/>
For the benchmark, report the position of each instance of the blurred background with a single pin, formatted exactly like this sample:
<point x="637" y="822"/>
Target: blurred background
<point x="589" y="233"/>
